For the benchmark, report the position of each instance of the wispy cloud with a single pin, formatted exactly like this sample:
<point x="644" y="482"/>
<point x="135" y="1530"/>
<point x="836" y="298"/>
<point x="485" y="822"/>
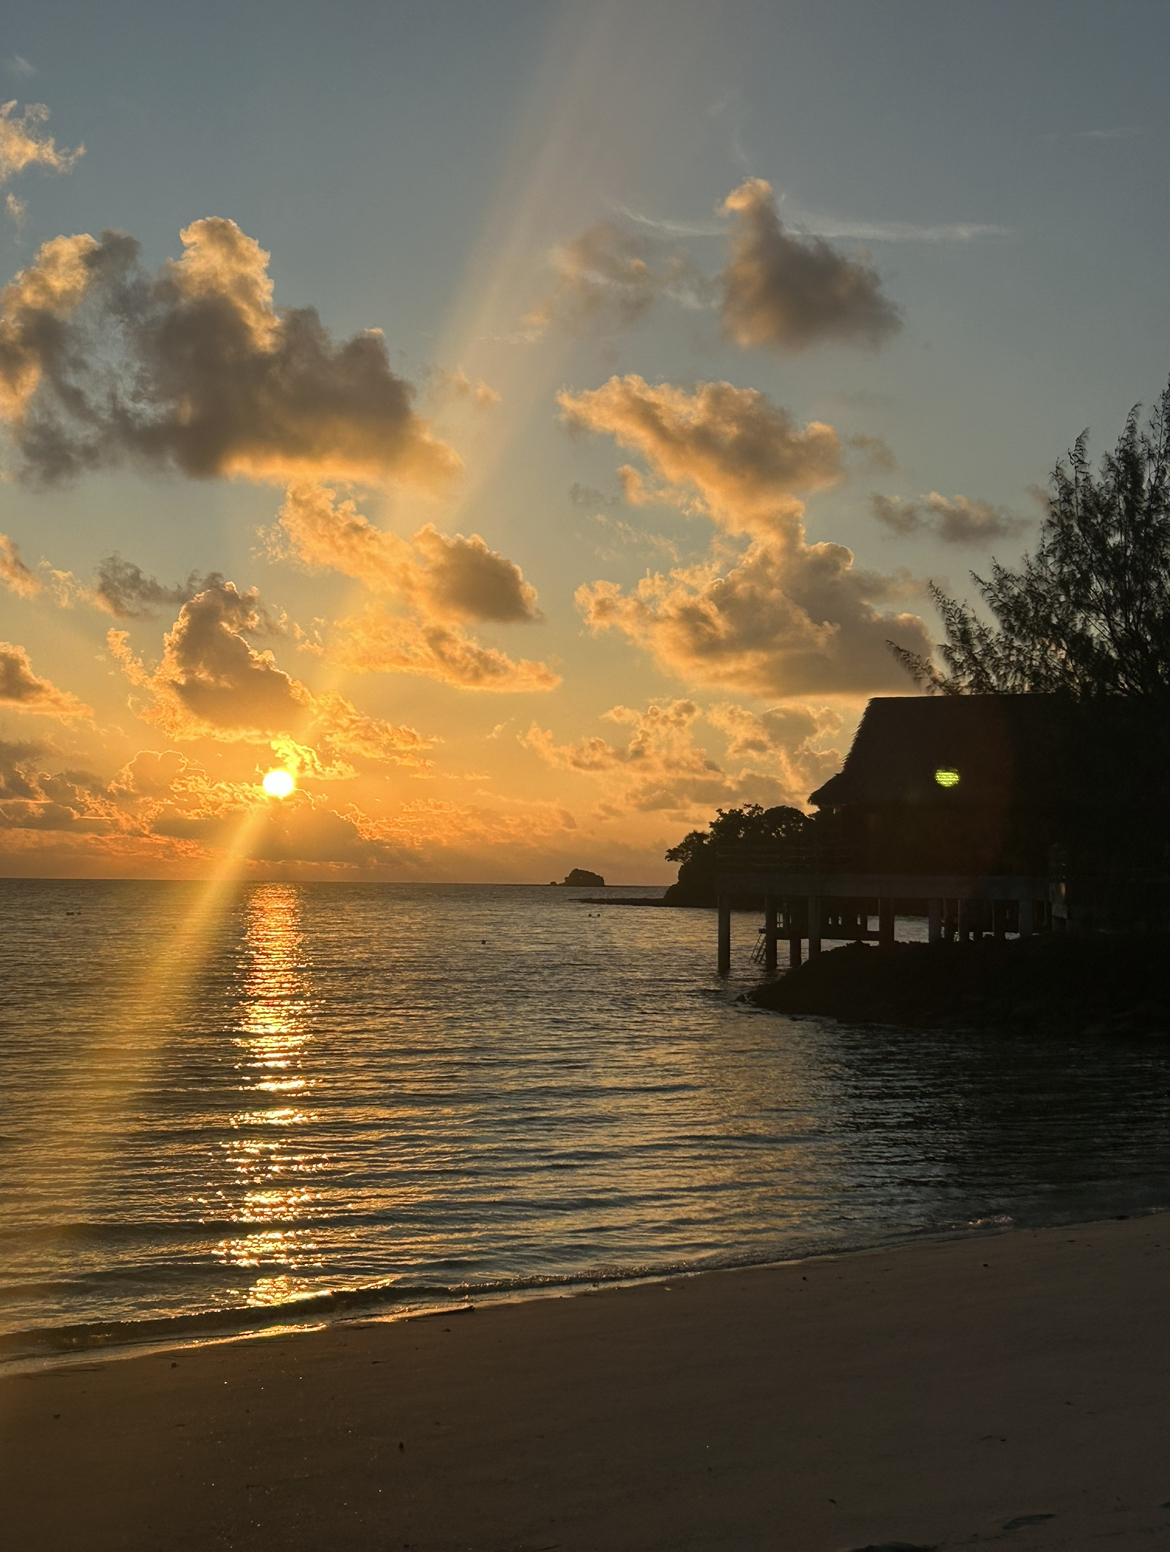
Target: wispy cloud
<point x="1119" y="132"/>
<point x="825" y="224"/>
<point x="16" y="65"/>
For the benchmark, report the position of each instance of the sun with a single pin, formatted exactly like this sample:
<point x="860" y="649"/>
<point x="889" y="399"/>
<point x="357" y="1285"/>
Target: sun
<point x="278" y="784"/>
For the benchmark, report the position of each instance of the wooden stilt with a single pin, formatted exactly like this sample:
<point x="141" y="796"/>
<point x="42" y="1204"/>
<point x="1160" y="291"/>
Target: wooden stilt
<point x="814" y="925"/>
<point x="885" y="923"/>
<point x="724" y="934"/>
<point x="934" y="920"/>
<point x="770" y="932"/>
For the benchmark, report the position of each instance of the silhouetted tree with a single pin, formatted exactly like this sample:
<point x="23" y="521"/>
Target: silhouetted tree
<point x="1088" y="614"/>
<point x="696" y="852"/>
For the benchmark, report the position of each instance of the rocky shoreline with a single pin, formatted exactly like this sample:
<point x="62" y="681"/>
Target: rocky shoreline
<point x="1069" y="983"/>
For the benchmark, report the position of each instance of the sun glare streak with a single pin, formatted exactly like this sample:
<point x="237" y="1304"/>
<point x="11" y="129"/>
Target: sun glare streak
<point x="141" y="1025"/>
<point x="272" y="1170"/>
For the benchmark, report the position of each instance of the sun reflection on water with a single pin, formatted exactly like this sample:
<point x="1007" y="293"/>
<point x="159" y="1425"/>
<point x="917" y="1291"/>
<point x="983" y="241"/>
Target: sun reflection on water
<point x="271" y="1167"/>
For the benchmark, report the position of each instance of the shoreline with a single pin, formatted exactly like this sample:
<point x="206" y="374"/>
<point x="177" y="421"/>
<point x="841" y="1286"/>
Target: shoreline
<point x="936" y="1394"/>
<point x="213" y="1328"/>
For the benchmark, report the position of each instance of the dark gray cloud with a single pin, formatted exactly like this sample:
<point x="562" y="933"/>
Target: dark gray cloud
<point x="125" y="591"/>
<point x="192" y="368"/>
<point x="778" y="290"/>
<point x="953" y="519"/>
<point x="23" y="690"/>
<point x="787" y="292"/>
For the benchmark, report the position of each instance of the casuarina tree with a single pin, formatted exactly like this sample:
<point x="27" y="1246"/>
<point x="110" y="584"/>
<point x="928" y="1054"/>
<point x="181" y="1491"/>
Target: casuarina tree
<point x="1088" y="613"/>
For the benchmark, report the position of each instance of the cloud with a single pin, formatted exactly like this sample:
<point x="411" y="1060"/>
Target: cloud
<point x="16" y="576"/>
<point x="456" y="387"/>
<point x="784" y="617"/>
<point x="192" y="368"/>
<point x="741" y="456"/>
<point x="450" y="578"/>
<point x="377" y="641"/>
<point x="609" y="278"/>
<point x="660" y="768"/>
<point x="22" y="690"/>
<point x="825" y="225"/>
<point x="831" y="226"/>
<point x="211" y="683"/>
<point x="789" y="293"/>
<point x="589" y="496"/>
<point x="125" y="591"/>
<point x="624" y="536"/>
<point x="953" y="519"/>
<point x="31" y="798"/>
<point x="17" y="208"/>
<point x="439" y="581"/>
<point x="24" y="144"/>
<point x="779" y="290"/>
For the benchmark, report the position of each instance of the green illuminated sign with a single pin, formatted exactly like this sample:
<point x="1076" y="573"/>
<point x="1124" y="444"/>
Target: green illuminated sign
<point x="946" y="777"/>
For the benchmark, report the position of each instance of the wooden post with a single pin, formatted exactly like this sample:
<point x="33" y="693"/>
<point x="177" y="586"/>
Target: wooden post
<point x="792" y="922"/>
<point x="1027" y="918"/>
<point x="999" y="919"/>
<point x="885" y="923"/>
<point x="769" y="932"/>
<point x="966" y="912"/>
<point x="934" y="919"/>
<point x="724" y="934"/>
<point x="814" y="925"/>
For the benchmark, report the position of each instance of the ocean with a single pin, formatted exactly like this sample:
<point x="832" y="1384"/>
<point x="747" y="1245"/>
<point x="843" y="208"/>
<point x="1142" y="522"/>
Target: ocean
<point x="239" y="1108"/>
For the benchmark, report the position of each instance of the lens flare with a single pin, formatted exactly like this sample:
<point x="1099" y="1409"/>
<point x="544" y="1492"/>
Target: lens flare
<point x="278" y="784"/>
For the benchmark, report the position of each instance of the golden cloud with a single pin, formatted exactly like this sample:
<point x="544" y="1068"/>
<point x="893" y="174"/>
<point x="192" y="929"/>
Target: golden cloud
<point x="211" y="683"/>
<point x="22" y="690"/>
<point x="446" y="578"/>
<point x="23" y="142"/>
<point x="377" y="641"/>
<point x="729" y="451"/>
<point x="438" y="579"/>
<point x="192" y="367"/>
<point x="785" y="617"/>
<point x="16" y="576"/>
<point x="660" y="768"/>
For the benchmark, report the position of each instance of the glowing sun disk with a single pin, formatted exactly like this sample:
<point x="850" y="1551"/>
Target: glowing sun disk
<point x="278" y="784"/>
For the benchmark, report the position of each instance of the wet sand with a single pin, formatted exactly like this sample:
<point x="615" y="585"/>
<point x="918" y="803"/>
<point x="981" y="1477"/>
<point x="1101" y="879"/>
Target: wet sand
<point x="1013" y="1390"/>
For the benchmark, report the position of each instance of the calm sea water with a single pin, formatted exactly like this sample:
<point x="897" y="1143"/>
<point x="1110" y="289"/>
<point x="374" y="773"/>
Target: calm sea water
<point x="244" y="1106"/>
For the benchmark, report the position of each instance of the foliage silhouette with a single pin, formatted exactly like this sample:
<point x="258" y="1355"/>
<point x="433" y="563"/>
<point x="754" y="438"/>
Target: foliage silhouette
<point x="1088" y="614"/>
<point x="697" y="852"/>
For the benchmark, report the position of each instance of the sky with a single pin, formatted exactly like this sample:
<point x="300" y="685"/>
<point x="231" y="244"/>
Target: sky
<point x="527" y="424"/>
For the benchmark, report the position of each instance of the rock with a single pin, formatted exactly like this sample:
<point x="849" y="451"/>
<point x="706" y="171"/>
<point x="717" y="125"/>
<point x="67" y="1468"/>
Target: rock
<point x="581" y="878"/>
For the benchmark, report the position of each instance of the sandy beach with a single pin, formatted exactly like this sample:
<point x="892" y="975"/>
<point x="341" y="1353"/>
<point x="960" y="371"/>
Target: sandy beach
<point x="1008" y="1389"/>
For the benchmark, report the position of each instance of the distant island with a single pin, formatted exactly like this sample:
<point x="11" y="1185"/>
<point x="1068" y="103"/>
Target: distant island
<point x="580" y="878"/>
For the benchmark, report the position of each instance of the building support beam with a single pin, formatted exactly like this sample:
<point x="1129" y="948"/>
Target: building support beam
<point x="770" y="932"/>
<point x="885" y="923"/>
<point x="724" y="934"/>
<point x="793" y="929"/>
<point x="814" y="925"/>
<point x="1027" y="918"/>
<point x="934" y="920"/>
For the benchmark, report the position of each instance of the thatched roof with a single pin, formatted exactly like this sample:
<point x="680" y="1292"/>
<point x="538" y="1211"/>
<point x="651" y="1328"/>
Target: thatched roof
<point x="911" y="749"/>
